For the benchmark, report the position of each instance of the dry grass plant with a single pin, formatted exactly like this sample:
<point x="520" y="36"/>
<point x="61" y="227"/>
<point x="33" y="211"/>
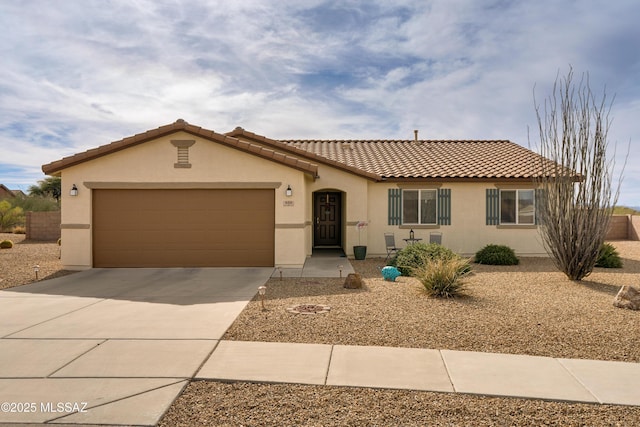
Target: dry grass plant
<point x="443" y="277"/>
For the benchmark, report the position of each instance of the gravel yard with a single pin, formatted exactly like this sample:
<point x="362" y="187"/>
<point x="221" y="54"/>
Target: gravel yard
<point x="528" y="309"/>
<point x="16" y="264"/>
<point x="209" y="403"/>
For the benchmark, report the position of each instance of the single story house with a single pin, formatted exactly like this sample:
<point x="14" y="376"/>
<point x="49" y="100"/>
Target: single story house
<point x="181" y="195"/>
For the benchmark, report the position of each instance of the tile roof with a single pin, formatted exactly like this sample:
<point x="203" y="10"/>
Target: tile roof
<point x="377" y="160"/>
<point x="415" y="159"/>
<point x="180" y="125"/>
<point x="6" y="192"/>
<point x="411" y="159"/>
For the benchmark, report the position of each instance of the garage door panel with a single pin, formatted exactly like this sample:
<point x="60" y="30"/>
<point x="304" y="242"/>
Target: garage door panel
<point x="235" y="258"/>
<point x="183" y="228"/>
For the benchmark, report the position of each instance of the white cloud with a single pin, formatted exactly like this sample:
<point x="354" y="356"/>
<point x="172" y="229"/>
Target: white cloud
<point x="78" y="74"/>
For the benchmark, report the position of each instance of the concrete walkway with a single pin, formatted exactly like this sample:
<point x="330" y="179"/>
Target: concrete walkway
<point x="323" y="263"/>
<point x="571" y="380"/>
<point x="113" y="346"/>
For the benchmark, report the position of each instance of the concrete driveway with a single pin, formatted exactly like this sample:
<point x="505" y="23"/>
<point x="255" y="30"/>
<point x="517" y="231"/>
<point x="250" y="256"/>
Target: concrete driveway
<point x="113" y="346"/>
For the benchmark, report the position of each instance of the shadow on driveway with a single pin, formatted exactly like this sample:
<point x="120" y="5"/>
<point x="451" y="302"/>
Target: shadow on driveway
<point x="182" y="286"/>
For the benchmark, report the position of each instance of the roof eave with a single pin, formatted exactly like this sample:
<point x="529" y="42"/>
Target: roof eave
<point x="459" y="179"/>
<point x="55" y="168"/>
<point x="237" y="132"/>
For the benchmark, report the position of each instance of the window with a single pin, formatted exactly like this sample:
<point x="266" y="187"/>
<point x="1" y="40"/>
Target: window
<point x="419" y="206"/>
<point x="433" y="207"/>
<point x="517" y="207"/>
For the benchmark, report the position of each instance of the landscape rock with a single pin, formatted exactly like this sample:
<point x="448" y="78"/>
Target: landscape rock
<point x="354" y="281"/>
<point x="628" y="297"/>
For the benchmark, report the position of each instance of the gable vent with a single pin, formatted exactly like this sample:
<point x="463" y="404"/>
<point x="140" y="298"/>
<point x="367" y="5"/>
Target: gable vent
<point x="183" y="152"/>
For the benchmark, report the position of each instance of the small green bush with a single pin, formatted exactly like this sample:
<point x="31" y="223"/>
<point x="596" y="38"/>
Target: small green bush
<point x="413" y="256"/>
<point x="608" y="257"/>
<point x="442" y="277"/>
<point x="6" y="244"/>
<point x="496" y="255"/>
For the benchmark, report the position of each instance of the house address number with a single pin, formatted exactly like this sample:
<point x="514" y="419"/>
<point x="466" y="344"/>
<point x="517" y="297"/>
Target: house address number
<point x="287" y="203"/>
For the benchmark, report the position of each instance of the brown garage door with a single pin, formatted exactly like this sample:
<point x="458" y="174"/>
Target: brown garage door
<point x="183" y="228"/>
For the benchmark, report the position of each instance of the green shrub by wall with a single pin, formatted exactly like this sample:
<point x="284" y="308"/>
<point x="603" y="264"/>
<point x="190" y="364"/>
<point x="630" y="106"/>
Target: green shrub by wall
<point x="608" y="257"/>
<point x="496" y="255"/>
<point x="414" y="256"/>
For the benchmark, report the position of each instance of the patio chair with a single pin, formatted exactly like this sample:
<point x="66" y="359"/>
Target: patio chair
<point x="435" y="237"/>
<point x="390" y="242"/>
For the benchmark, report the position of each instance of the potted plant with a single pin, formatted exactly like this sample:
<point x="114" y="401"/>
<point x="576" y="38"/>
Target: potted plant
<point x="360" y="251"/>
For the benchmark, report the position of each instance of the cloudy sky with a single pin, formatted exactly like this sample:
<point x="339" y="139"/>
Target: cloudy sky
<point x="75" y="74"/>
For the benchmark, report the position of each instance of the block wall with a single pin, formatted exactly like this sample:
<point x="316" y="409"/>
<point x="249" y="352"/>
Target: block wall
<point x="618" y="228"/>
<point x="43" y="225"/>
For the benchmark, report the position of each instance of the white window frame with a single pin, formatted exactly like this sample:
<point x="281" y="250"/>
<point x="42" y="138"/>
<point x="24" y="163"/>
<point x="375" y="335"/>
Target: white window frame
<point x="432" y="190"/>
<point x="517" y="206"/>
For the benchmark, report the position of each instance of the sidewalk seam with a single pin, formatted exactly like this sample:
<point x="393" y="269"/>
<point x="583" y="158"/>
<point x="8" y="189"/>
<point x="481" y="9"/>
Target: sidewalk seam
<point x="446" y="368"/>
<point x="326" y="375"/>
<point x="578" y="381"/>
<point x="206" y="359"/>
<point x="179" y="380"/>
<point x="54" y="318"/>
<point x="77" y="357"/>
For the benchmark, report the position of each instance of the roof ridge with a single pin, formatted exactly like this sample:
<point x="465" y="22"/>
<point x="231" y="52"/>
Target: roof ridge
<point x="180" y="125"/>
<point x="374" y="159"/>
<point x="399" y="140"/>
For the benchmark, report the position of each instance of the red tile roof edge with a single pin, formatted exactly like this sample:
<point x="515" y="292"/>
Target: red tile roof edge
<point x="279" y="145"/>
<point x="179" y="125"/>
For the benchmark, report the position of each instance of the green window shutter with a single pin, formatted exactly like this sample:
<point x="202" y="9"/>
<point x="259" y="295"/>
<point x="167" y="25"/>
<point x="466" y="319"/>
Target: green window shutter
<point x="444" y="206"/>
<point x="493" y="206"/>
<point x="395" y="206"/>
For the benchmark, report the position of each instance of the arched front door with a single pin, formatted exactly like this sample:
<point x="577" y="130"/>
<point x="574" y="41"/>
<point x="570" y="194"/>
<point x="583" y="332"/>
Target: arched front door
<point x="327" y="218"/>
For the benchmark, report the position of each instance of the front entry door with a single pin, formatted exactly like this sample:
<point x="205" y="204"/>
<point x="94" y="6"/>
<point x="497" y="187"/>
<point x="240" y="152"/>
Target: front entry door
<point x="327" y="219"/>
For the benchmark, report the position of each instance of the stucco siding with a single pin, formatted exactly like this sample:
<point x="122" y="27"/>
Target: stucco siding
<point x="354" y="202"/>
<point x="212" y="166"/>
<point x="468" y="231"/>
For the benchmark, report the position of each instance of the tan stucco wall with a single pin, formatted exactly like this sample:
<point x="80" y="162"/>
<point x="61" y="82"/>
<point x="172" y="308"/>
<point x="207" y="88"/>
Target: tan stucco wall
<point x="467" y="232"/>
<point x="354" y="203"/>
<point x="213" y="164"/>
<point x="153" y="162"/>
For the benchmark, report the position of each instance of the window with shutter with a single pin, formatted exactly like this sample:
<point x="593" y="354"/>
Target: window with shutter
<point x="493" y="206"/>
<point x="444" y="206"/>
<point x="511" y="206"/>
<point x="419" y="207"/>
<point x="395" y="206"/>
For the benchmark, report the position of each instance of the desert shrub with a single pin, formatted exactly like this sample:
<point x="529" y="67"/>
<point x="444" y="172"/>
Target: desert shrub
<point x="36" y="203"/>
<point x="10" y="215"/>
<point x="59" y="242"/>
<point x="18" y="229"/>
<point x="608" y="257"/>
<point x="6" y="244"/>
<point x="443" y="277"/>
<point x="414" y="256"/>
<point x="496" y="255"/>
